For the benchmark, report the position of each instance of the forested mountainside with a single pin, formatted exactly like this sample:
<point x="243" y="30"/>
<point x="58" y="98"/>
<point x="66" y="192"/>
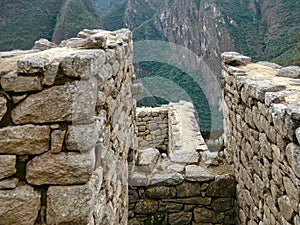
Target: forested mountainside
<point x="22" y="22"/>
<point x="263" y="29"/>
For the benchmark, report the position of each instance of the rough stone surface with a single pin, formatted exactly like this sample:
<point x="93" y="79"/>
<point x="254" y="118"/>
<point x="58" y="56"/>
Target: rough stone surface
<point x="289" y="71"/>
<point x="3" y="107"/>
<point x="64" y="168"/>
<point x="8" y="165"/>
<point x="81" y="137"/>
<point x="73" y="204"/>
<point x="197" y="173"/>
<point x="43" y="44"/>
<point x="24" y="140"/>
<point x="70" y="102"/>
<point x="235" y="59"/>
<point x="147" y="157"/>
<point x="15" y="83"/>
<point x="166" y="179"/>
<point x="9" y="183"/>
<point x="19" y="206"/>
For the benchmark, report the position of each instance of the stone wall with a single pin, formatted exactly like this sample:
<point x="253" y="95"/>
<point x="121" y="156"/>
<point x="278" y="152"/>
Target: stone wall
<point x="66" y="125"/>
<point x="152" y="128"/>
<point x="261" y="121"/>
<point x="180" y="186"/>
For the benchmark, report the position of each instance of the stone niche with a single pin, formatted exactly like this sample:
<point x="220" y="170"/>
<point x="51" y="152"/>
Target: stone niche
<point x="67" y="121"/>
<point x="261" y="122"/>
<point x="179" y="183"/>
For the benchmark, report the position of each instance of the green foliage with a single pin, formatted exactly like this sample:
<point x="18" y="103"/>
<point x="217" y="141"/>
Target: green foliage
<point x="25" y="21"/>
<point x="183" y="80"/>
<point x="103" y="6"/>
<point x="114" y="19"/>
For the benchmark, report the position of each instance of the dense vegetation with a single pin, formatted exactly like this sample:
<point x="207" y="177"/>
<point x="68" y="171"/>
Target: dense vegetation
<point x="25" y="21"/>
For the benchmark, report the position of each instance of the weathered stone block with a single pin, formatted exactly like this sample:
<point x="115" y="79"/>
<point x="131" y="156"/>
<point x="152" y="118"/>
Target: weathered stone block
<point x="73" y="204"/>
<point x="222" y="204"/>
<point x="181" y="218"/>
<point x="33" y="64"/>
<point x="146" y="206"/>
<point x="223" y="186"/>
<point x="15" y="83"/>
<point x="197" y="173"/>
<point x="81" y="137"/>
<point x="7" y="165"/>
<point x="147" y="157"/>
<point x="292" y="152"/>
<point x="70" y="102"/>
<point x="19" y="206"/>
<point x="235" y="59"/>
<point x="24" y="140"/>
<point x="169" y="207"/>
<point x="64" y="168"/>
<point x="188" y="190"/>
<point x="205" y="215"/>
<point x="161" y="192"/>
<point x="83" y="64"/>
<point x="179" y="156"/>
<point x="3" y="107"/>
<point x="166" y="179"/>
<point x="57" y="139"/>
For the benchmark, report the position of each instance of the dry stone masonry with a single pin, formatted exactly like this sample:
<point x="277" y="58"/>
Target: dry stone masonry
<point x="261" y="121"/>
<point x="179" y="185"/>
<point x="67" y="121"/>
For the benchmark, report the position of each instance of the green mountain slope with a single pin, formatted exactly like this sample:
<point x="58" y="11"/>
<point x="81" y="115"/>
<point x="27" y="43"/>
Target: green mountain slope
<point x="25" y="21"/>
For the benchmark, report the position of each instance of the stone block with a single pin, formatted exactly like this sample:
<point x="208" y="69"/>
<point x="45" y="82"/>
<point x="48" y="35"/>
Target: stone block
<point x="64" y="168"/>
<point x="81" y="137"/>
<point x="169" y="207"/>
<point x="161" y="192"/>
<point x="222" y="204"/>
<point x="3" y="107"/>
<point x="84" y="64"/>
<point x="147" y="157"/>
<point x="57" y="139"/>
<point x="179" y="156"/>
<point x="166" y="179"/>
<point x="73" y="204"/>
<point x="24" y="140"/>
<point x="146" y="206"/>
<point x="188" y="190"/>
<point x="205" y="215"/>
<point x="285" y="207"/>
<point x="289" y="71"/>
<point x="180" y="218"/>
<point x="235" y="59"/>
<point x="292" y="152"/>
<point x="69" y="102"/>
<point x="19" y="206"/>
<point x="15" y="83"/>
<point x="7" y="165"/>
<point x="223" y="186"/>
<point x="9" y="183"/>
<point x="33" y="64"/>
<point x="197" y="173"/>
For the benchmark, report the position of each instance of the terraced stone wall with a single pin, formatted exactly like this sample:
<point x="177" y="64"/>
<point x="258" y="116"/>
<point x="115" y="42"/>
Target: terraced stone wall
<point x="179" y="186"/>
<point x="67" y="121"/>
<point x="261" y="122"/>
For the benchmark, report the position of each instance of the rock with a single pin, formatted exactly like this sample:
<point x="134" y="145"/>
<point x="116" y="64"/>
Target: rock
<point x="197" y="173"/>
<point x="81" y="137"/>
<point x="24" y="140"/>
<point x="43" y="44"/>
<point x="166" y="179"/>
<point x="51" y="73"/>
<point x="3" y="107"/>
<point x="169" y="207"/>
<point x="83" y="64"/>
<point x="270" y="64"/>
<point x="69" y="102"/>
<point x="235" y="59"/>
<point x="205" y="215"/>
<point x="161" y="192"/>
<point x="179" y="156"/>
<point x="191" y="200"/>
<point x="32" y="64"/>
<point x="285" y="207"/>
<point x="64" y="168"/>
<point x="57" y="139"/>
<point x="222" y="204"/>
<point x="137" y="179"/>
<point x="19" y="206"/>
<point x="9" y="183"/>
<point x="73" y="204"/>
<point x="292" y="152"/>
<point x="137" y="89"/>
<point x="188" y="190"/>
<point x="15" y="83"/>
<point x="17" y="98"/>
<point x="8" y="165"/>
<point x="181" y="218"/>
<point x="297" y="132"/>
<point x="223" y="186"/>
<point x="289" y="71"/>
<point x="146" y="206"/>
<point x="147" y="156"/>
